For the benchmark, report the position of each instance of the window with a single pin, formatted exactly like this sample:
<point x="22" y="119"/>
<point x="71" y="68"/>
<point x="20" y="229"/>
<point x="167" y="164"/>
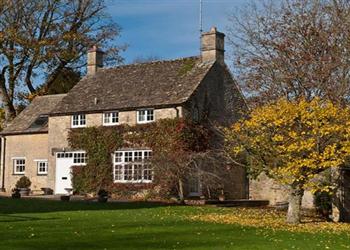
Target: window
<point x="64" y="155"/>
<point x="78" y="121"/>
<point x="133" y="166"/>
<point x="42" y="167"/>
<point x="39" y="123"/>
<point x="145" y="115"/>
<point x="19" y="165"/>
<point x="110" y="118"/>
<point x="79" y="158"/>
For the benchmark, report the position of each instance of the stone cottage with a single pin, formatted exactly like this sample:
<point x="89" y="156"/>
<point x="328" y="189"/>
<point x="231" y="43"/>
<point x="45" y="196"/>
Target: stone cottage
<point x="35" y="143"/>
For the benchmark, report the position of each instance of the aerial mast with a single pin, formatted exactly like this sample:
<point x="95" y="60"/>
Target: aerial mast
<point x="200" y="16"/>
<point x="200" y="24"/>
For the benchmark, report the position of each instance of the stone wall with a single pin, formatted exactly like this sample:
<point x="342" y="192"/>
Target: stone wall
<point x="59" y="127"/>
<point x="219" y="99"/>
<point x="264" y="188"/>
<point x="31" y="147"/>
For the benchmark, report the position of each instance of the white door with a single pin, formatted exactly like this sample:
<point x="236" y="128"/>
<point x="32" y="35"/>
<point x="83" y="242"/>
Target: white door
<point x="63" y="173"/>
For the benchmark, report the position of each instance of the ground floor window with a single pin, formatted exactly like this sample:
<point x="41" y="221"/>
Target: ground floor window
<point x="19" y="165"/>
<point x="79" y="158"/>
<point x="133" y="166"/>
<point x="42" y="166"/>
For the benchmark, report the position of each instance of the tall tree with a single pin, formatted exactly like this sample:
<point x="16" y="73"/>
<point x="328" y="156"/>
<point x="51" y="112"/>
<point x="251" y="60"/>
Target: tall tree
<point x="293" y="143"/>
<point x="292" y="49"/>
<point x="40" y="39"/>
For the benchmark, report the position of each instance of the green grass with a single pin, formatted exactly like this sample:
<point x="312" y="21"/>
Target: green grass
<point x="40" y="224"/>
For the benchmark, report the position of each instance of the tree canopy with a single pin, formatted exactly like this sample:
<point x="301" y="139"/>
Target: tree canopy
<point x="293" y="143"/>
<point x="40" y="39"/>
<point x="292" y="49"/>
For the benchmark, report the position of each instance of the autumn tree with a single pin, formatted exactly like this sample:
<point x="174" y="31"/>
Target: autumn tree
<point x="292" y="49"/>
<point x="41" y="39"/>
<point x="293" y="142"/>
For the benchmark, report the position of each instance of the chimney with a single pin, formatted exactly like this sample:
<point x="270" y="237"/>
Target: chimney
<point x="213" y="46"/>
<point x="94" y="60"/>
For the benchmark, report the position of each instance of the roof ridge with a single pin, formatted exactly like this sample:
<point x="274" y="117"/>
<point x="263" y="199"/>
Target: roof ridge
<point x="52" y="95"/>
<point x="151" y="62"/>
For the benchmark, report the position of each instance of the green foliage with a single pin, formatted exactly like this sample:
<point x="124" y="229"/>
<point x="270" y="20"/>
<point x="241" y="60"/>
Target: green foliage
<point x="98" y="143"/>
<point x="186" y="67"/>
<point x="172" y="140"/>
<point x="23" y="182"/>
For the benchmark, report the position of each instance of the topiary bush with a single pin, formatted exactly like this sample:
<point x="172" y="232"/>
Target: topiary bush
<point x="23" y="182"/>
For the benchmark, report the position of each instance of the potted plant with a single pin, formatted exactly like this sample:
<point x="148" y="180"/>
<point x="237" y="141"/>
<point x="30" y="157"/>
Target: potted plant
<point x="15" y="193"/>
<point x="66" y="197"/>
<point x="102" y="196"/>
<point x="23" y="185"/>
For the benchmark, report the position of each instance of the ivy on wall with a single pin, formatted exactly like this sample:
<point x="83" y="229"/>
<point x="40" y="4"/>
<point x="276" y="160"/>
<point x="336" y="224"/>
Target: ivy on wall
<point x="173" y="141"/>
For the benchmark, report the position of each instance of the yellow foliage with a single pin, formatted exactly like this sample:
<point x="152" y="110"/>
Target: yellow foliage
<point x="293" y="141"/>
<point x="271" y="219"/>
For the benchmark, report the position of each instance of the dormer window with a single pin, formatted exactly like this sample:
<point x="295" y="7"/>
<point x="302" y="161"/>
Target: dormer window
<point x="145" y="115"/>
<point x="79" y="121"/>
<point x="110" y="118"/>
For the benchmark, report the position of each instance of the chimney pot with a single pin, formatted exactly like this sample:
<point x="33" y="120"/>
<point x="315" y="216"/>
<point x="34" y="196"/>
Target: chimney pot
<point x="213" y="46"/>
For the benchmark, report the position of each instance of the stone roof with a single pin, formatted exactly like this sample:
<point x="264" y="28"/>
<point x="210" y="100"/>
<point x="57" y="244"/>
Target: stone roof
<point x="33" y="119"/>
<point x="153" y="84"/>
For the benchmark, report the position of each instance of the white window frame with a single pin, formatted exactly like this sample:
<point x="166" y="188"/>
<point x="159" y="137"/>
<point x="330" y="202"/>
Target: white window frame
<point x="146" y="116"/>
<point x="15" y="164"/>
<point x="79" y="158"/>
<point x="38" y="162"/>
<point x="121" y="164"/>
<point x="110" y="118"/>
<point x="79" y="119"/>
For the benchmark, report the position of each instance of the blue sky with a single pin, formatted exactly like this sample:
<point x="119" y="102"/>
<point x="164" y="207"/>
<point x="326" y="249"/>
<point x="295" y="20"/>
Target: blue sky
<point x="167" y="28"/>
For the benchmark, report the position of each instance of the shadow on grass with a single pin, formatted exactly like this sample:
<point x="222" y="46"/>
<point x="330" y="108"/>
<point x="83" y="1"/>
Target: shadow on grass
<point x="16" y="218"/>
<point x="14" y="206"/>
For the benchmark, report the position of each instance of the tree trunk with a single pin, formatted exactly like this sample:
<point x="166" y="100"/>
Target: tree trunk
<point x="9" y="109"/>
<point x="294" y="207"/>
<point x="181" y="191"/>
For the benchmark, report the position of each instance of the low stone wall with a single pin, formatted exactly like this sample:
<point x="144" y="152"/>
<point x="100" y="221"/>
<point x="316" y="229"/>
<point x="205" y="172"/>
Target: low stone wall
<point x="265" y="188"/>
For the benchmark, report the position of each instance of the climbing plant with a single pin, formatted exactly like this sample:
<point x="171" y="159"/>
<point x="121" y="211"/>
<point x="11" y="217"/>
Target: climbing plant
<point x="174" y="142"/>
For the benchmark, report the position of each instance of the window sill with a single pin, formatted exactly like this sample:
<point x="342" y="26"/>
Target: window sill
<point x="42" y="174"/>
<point x="111" y="124"/>
<point x="144" y="122"/>
<point x="134" y="182"/>
<point x="79" y="126"/>
<point x="18" y="174"/>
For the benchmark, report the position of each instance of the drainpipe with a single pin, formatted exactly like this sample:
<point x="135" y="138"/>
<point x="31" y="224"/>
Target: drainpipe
<point x="2" y="163"/>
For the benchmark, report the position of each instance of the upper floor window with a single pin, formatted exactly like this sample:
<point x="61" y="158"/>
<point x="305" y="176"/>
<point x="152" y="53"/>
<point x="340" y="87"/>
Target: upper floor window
<point x="110" y="118"/>
<point x="145" y="115"/>
<point x="19" y="165"/>
<point x="78" y="121"/>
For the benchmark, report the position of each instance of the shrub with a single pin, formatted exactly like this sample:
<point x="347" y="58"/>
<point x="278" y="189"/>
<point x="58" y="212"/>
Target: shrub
<point x="323" y="203"/>
<point x="23" y="182"/>
<point x="102" y="193"/>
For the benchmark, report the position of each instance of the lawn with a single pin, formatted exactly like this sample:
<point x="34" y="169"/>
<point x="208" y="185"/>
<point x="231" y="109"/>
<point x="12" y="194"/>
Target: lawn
<point x="40" y="224"/>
